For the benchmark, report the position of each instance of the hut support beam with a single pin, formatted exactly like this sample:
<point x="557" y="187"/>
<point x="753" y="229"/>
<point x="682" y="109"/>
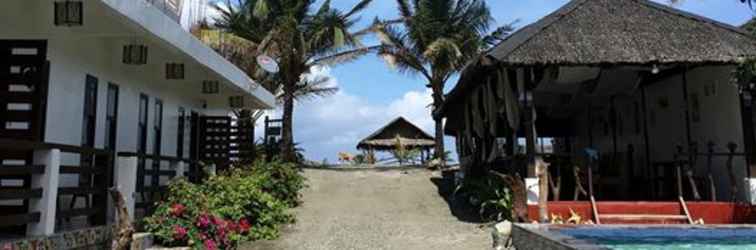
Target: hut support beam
<point x="650" y="173"/>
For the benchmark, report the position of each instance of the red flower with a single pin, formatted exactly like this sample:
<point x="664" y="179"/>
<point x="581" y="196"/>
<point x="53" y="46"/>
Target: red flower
<point x="244" y="225"/>
<point x="217" y="221"/>
<point x="210" y="245"/>
<point x="233" y="227"/>
<point x="177" y="209"/>
<point x="203" y="221"/>
<point x="179" y="232"/>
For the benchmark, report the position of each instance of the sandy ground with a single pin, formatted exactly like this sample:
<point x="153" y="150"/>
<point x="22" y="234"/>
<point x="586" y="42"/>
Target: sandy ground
<point x="376" y="209"/>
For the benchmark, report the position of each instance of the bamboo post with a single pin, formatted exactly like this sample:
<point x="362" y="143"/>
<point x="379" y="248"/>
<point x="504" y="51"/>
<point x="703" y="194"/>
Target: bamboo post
<point x="733" y="181"/>
<point x="578" y="183"/>
<point x="678" y="170"/>
<point x="709" y="162"/>
<point x="689" y="170"/>
<point x="685" y="209"/>
<point x="591" y="157"/>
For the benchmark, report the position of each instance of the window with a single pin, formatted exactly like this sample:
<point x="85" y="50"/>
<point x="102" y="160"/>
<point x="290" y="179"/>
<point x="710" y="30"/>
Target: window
<point x="90" y="112"/>
<point x="180" y="132"/>
<point x="158" y="128"/>
<point x="111" y="117"/>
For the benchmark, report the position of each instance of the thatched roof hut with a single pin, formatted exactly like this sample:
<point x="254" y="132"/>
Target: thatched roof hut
<point x="595" y="32"/>
<point x="587" y="73"/>
<point x="604" y="33"/>
<point x="410" y="136"/>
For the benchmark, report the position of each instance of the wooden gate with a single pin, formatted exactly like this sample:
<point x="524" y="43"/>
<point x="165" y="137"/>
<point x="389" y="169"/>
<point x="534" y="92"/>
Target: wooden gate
<point x="225" y="140"/>
<point x="23" y="93"/>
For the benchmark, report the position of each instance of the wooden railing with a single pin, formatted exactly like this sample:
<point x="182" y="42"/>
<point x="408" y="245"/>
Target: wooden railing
<point x="686" y="161"/>
<point x="42" y="169"/>
<point x="150" y="192"/>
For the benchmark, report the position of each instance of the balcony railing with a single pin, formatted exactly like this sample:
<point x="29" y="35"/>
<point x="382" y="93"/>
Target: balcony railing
<point x="40" y="166"/>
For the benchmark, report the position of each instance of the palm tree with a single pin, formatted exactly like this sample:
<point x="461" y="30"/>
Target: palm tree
<point x="300" y="39"/>
<point x="434" y="39"/>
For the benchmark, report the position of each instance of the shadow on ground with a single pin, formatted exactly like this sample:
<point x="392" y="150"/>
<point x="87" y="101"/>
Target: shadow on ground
<point x="459" y="208"/>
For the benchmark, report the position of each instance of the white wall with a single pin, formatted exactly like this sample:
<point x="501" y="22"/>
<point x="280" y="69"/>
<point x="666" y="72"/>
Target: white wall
<point x="96" y="49"/>
<point x="720" y="122"/>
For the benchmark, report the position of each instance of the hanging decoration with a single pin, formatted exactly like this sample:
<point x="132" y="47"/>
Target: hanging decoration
<point x="174" y="71"/>
<point x="69" y="13"/>
<point x="210" y="87"/>
<point x="135" y="54"/>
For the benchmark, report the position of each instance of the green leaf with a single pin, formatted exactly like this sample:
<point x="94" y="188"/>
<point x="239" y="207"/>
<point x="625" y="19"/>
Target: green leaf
<point x="338" y="37"/>
<point x="261" y="9"/>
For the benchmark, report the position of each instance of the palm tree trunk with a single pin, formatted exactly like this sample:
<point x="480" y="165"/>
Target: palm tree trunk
<point x="440" y="141"/>
<point x="287" y="135"/>
<point x="438" y="100"/>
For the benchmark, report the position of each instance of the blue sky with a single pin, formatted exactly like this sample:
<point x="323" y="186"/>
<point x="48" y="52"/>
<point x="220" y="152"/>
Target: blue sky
<point x="371" y="94"/>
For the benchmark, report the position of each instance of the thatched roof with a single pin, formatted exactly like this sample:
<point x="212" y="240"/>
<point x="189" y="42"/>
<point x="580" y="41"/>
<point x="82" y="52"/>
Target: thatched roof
<point x="603" y="33"/>
<point x="408" y="134"/>
<point x="600" y="32"/>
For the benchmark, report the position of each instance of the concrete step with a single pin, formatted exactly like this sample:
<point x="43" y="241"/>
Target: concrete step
<point x="643" y="219"/>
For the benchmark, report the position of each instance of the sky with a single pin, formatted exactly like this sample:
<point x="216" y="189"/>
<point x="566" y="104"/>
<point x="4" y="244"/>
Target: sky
<point x="371" y="94"/>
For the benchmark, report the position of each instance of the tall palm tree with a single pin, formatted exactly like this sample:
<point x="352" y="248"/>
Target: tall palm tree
<point x="434" y="39"/>
<point x="300" y="38"/>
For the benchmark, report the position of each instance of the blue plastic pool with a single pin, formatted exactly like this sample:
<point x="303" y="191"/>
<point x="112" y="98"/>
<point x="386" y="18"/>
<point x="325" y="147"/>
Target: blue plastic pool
<point x="667" y="237"/>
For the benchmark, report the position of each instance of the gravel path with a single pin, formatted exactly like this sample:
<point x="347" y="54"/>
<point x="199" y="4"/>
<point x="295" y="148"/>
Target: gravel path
<point x="376" y="209"/>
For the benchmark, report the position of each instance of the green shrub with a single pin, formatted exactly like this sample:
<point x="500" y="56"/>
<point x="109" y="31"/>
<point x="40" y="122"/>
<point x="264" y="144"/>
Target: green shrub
<point x="241" y="204"/>
<point x="282" y="180"/>
<point x="489" y="195"/>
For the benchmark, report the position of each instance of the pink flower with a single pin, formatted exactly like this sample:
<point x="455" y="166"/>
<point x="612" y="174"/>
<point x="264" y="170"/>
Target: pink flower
<point x="244" y="225"/>
<point x="203" y="221"/>
<point x="177" y="209"/>
<point x="179" y="232"/>
<point x="8" y="246"/>
<point x="210" y="245"/>
<point x="217" y="221"/>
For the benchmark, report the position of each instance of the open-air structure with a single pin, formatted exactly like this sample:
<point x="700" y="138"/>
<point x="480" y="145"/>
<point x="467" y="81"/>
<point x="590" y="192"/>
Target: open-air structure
<point x="398" y="131"/>
<point x="646" y="88"/>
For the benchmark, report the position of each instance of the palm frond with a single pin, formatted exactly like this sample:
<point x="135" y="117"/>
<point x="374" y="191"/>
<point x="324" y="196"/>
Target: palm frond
<point x="362" y="5"/>
<point x="344" y="56"/>
<point x="261" y="9"/>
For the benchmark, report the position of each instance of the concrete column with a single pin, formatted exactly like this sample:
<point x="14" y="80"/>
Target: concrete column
<point x="533" y="190"/>
<point x="179" y="167"/>
<point x="48" y="181"/>
<point x="211" y="170"/>
<point x="126" y="180"/>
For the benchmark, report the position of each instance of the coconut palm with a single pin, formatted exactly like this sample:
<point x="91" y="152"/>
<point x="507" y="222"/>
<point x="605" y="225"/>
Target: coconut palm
<point x="301" y="38"/>
<point x="434" y="39"/>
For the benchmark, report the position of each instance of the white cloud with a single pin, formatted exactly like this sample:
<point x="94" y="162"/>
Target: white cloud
<point x="326" y="126"/>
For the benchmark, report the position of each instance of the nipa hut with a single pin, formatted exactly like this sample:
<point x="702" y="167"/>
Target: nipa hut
<point x="645" y="88"/>
<point x="399" y="130"/>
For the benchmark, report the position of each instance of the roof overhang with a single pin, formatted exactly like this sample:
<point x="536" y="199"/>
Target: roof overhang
<point x="152" y="21"/>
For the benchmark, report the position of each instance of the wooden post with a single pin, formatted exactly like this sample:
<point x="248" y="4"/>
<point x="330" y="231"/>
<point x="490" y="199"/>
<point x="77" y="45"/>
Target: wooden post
<point x="709" y="162"/>
<point x="649" y="171"/>
<point x="688" y="136"/>
<point x="678" y="168"/>
<point x="733" y="180"/>
<point x="693" y="155"/>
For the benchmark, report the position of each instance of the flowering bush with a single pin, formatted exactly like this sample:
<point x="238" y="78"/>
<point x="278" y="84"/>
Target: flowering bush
<point x="280" y="179"/>
<point x="239" y="205"/>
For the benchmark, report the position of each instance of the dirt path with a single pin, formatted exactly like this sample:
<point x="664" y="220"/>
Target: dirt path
<point x="372" y="209"/>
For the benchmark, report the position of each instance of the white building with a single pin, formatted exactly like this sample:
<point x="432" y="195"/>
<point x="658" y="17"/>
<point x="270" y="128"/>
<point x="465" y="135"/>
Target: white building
<point x="64" y="85"/>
